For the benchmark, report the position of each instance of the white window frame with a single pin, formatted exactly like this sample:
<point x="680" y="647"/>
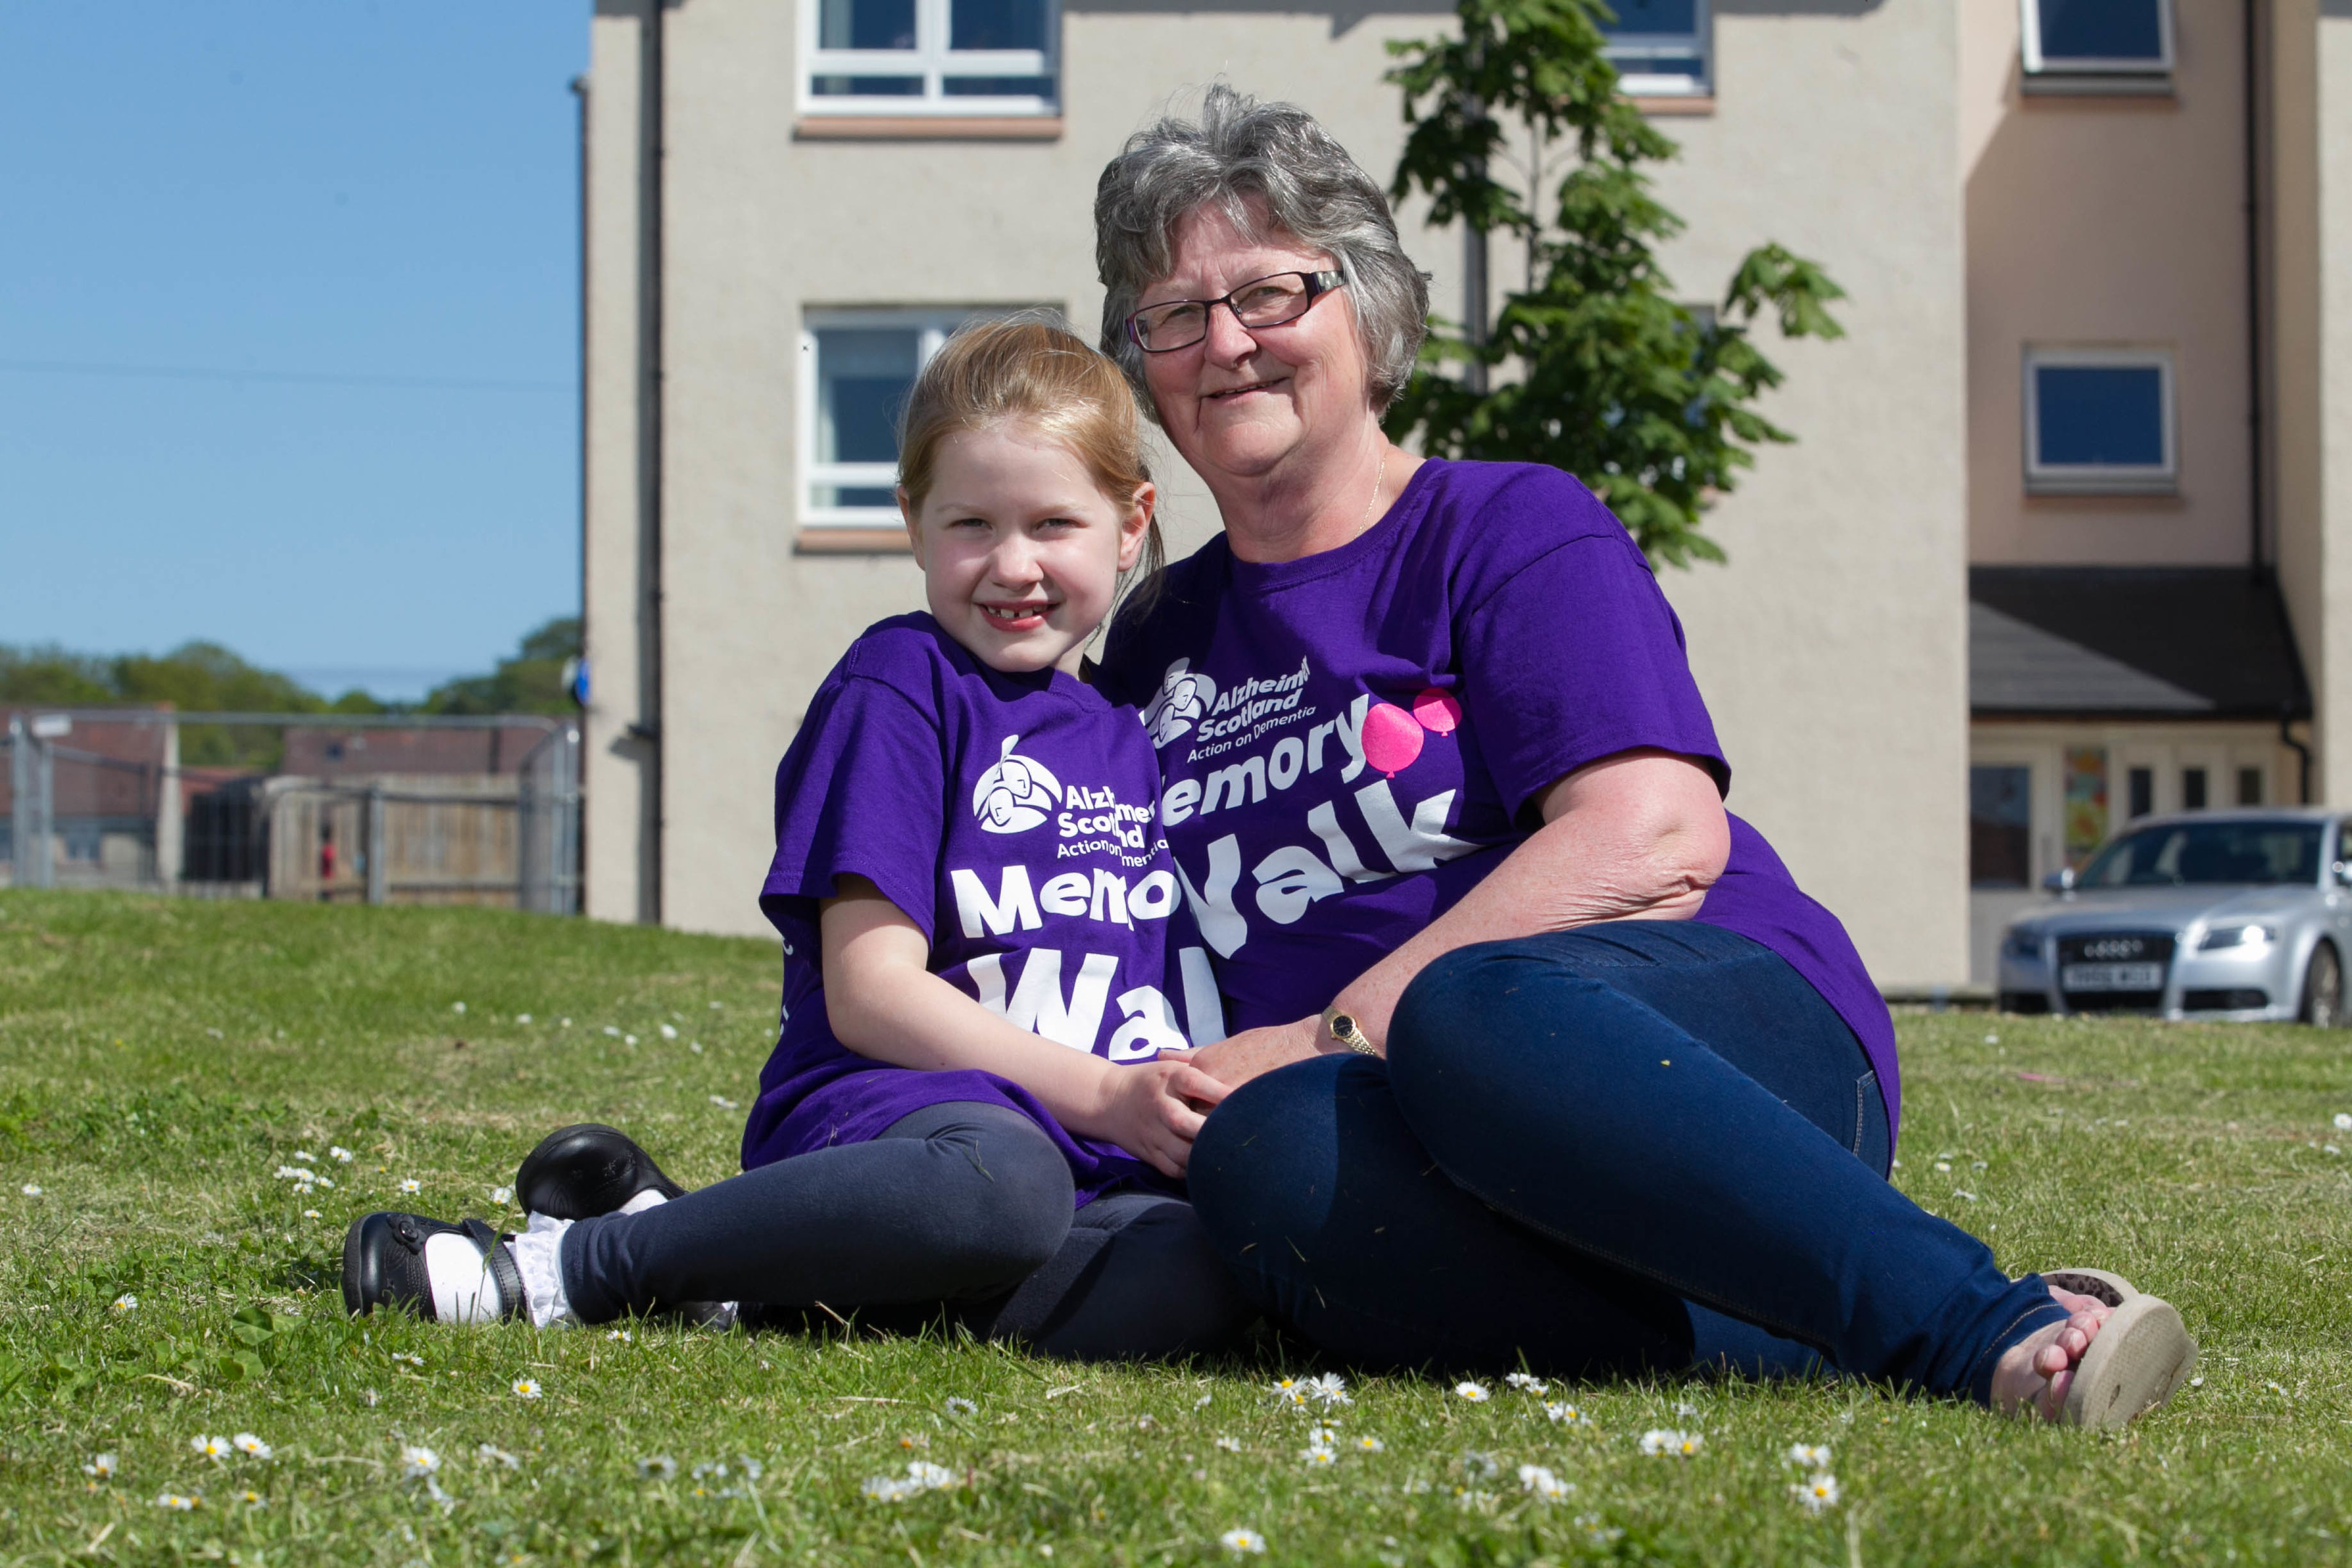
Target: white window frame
<point x="1626" y="47"/>
<point x="2039" y="65"/>
<point x="2103" y="478"/>
<point x="933" y="61"/>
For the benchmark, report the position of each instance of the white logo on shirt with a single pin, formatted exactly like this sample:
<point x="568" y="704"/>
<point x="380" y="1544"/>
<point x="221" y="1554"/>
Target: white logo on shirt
<point x="1016" y="794"/>
<point x="1184" y="699"/>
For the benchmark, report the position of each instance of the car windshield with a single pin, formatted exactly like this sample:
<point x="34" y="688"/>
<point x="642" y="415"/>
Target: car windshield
<point x="2196" y="853"/>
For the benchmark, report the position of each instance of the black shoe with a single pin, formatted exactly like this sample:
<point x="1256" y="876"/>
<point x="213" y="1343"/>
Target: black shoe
<point x="383" y="1264"/>
<point x="586" y="1170"/>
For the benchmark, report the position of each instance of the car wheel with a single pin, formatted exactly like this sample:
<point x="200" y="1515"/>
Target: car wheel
<point x="2323" y="989"/>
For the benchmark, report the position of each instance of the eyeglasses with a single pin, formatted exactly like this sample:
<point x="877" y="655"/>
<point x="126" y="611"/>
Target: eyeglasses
<point x="1261" y="303"/>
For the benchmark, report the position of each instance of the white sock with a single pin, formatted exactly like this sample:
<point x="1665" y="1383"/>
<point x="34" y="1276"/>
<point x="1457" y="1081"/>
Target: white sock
<point x="539" y="1258"/>
<point x="464" y="1290"/>
<point x="643" y="1201"/>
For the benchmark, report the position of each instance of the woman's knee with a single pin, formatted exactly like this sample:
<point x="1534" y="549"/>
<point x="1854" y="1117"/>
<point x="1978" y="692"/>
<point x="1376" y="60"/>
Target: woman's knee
<point x="1267" y="1153"/>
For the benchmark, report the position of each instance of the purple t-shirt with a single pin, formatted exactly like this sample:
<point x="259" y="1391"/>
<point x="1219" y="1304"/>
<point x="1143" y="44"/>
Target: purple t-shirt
<point x="1013" y="818"/>
<point x="1348" y="742"/>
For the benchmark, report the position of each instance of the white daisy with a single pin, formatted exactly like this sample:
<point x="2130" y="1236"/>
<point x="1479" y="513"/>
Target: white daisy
<point x="722" y="1102"/>
<point x="660" y="1465"/>
<point x="310" y="1213"/>
<point x="102" y="1465"/>
<point x="1317" y="1456"/>
<point x="412" y="1360"/>
<point x="305" y="1154"/>
<point x="32" y="1190"/>
<point x="1665" y="1440"/>
<point x="1812" y="1456"/>
<point x="1322" y="1436"/>
<point x="2344" y="1121"/>
<point x="126" y="1302"/>
<point x="491" y="1454"/>
<point x="252" y="1498"/>
<point x="411" y="1184"/>
<point x="339" y="1155"/>
<point x="417" y="1463"/>
<point x="458" y="1008"/>
<point x="887" y="1488"/>
<point x="522" y="1018"/>
<point x="1366" y="1444"/>
<point x="1289" y="1393"/>
<point x="1201" y="1403"/>
<point x="628" y="1039"/>
<point x="612" y="1031"/>
<point x="1229" y="1445"/>
<point x="177" y="1502"/>
<point x="1543" y="1483"/>
<point x="1242" y="1543"/>
<point x="251" y="1447"/>
<point x="1686" y="1409"/>
<point x="1331" y="1389"/>
<point x="1475" y="1393"/>
<point x="958" y="1405"/>
<point x="526" y="1388"/>
<point x="214" y="1449"/>
<point x="667" y="1033"/>
<point x="1526" y="1382"/>
<point x="621" y="1334"/>
<point x="501" y="1196"/>
<point x="328" y="1181"/>
<point x="1565" y="1412"/>
<point x="1820" y="1492"/>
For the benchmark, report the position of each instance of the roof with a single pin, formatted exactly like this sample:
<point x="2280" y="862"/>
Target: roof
<point x="2182" y="642"/>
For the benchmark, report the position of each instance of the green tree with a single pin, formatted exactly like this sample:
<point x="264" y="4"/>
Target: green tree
<point x="195" y="677"/>
<point x="1604" y="373"/>
<point x="531" y="682"/>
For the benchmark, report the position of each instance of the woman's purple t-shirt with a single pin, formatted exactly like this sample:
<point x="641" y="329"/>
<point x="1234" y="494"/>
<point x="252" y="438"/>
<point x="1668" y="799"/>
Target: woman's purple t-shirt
<point x="1015" y="819"/>
<point x="1348" y="742"/>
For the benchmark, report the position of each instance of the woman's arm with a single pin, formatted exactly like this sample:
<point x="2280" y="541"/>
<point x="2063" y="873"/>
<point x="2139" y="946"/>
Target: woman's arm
<point x="1639" y="836"/>
<point x="884" y="1003"/>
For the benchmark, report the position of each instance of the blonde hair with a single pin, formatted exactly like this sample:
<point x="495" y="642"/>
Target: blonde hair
<point x="1034" y="369"/>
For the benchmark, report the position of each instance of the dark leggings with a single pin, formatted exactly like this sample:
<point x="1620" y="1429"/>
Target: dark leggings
<point x="961" y="1209"/>
<point x="1643" y="1145"/>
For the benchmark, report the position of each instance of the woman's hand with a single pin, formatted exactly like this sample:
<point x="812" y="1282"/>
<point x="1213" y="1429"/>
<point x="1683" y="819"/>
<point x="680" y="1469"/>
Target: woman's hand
<point x="1148" y="1111"/>
<point x="1237" y="1058"/>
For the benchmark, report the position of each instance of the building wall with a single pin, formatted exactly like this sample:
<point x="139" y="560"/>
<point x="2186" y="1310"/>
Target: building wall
<point x="2329" y="655"/>
<point x="1835" y="133"/>
<point x="2108" y="221"/>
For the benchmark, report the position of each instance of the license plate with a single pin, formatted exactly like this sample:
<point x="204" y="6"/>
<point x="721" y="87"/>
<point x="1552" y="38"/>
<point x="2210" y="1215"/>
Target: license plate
<point x="2112" y="977"/>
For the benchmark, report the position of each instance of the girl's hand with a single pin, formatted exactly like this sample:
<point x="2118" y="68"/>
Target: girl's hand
<point x="1148" y="1111"/>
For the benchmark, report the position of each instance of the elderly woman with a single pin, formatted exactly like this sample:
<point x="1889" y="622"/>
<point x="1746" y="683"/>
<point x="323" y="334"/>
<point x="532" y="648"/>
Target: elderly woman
<point x="1545" y="1059"/>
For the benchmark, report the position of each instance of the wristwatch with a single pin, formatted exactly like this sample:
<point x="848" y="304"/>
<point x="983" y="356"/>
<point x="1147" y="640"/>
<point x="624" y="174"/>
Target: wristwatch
<point x="1341" y="1027"/>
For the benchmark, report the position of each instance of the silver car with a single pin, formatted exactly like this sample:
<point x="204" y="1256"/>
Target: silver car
<point x="2210" y="915"/>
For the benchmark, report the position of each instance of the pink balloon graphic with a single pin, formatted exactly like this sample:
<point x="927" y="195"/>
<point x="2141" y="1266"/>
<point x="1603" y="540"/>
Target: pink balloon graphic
<point x="1392" y="738"/>
<point x="1438" y="712"/>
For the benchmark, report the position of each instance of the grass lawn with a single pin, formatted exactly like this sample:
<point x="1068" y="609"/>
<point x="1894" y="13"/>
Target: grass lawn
<point x="162" y="1061"/>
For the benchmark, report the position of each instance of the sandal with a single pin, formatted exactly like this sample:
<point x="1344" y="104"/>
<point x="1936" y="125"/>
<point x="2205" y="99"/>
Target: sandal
<point x="2112" y="1289"/>
<point x="2143" y="1354"/>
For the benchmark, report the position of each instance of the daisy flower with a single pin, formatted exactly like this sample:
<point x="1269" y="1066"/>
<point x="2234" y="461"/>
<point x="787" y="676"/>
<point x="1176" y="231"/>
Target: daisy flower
<point x="1229" y="1445"/>
<point x="1201" y="1403"/>
<point x="1317" y="1456"/>
<point x="1526" y="1382"/>
<point x="252" y="1498"/>
<point x="2344" y="1121"/>
<point x="410" y="1358"/>
<point x="411" y="1184"/>
<point x="1820" y="1492"/>
<point x="501" y="1196"/>
<point x="1474" y="1393"/>
<point x="1331" y="1389"/>
<point x="126" y="1302"/>
<point x="628" y="1039"/>
<point x="1561" y="1411"/>
<point x="491" y="1454"/>
<point x="458" y="1008"/>
<point x="1665" y="1440"/>
<point x="1543" y="1483"/>
<point x="340" y="1155"/>
<point x="102" y="1465"/>
<point x="305" y="1154"/>
<point x="417" y="1463"/>
<point x="612" y="1031"/>
<point x="1812" y="1456"/>
<point x="522" y="1018"/>
<point x="621" y="1334"/>
<point x="723" y="1103"/>
<point x="667" y="1033"/>
<point x="1370" y="1445"/>
<point x="1323" y="1435"/>
<point x="310" y="1213"/>
<point x="660" y="1465"/>
<point x="526" y="1388"/>
<point x="177" y="1502"/>
<point x="958" y="1405"/>
<point x="251" y="1447"/>
<point x="31" y="1189"/>
<point x="214" y="1449"/>
<point x="1242" y="1543"/>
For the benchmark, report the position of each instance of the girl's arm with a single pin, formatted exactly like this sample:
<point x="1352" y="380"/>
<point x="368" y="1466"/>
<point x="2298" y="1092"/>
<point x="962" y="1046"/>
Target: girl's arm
<point x="884" y="1003"/>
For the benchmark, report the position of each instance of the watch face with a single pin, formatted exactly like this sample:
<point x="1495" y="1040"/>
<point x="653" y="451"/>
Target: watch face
<point x="1342" y="1025"/>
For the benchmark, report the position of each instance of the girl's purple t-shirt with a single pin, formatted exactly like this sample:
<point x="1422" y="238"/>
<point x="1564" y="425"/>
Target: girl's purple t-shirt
<point x="1013" y="818"/>
<point x="1348" y="742"/>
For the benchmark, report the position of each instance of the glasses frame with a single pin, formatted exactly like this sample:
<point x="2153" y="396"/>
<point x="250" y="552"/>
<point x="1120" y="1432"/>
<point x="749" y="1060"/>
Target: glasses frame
<point x="1318" y="285"/>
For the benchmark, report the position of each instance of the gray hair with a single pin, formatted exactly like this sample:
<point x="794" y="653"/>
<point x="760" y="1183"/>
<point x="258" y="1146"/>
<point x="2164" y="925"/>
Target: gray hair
<point x="1266" y="167"/>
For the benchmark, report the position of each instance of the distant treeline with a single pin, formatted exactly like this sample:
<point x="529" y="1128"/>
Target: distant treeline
<point x="203" y="677"/>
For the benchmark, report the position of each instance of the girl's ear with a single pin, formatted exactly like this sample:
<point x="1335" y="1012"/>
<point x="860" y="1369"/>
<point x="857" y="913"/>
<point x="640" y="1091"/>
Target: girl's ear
<point x="914" y="528"/>
<point x="1137" y="524"/>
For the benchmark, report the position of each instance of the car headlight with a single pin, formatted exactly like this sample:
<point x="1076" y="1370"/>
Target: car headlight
<point x="2021" y="944"/>
<point x="2237" y="936"/>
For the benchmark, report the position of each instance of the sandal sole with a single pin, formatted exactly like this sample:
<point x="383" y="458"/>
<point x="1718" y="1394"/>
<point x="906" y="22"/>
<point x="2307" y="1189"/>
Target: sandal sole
<point x="2142" y="1356"/>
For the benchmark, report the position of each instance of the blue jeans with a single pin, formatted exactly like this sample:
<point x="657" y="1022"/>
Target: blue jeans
<point x="1645" y="1145"/>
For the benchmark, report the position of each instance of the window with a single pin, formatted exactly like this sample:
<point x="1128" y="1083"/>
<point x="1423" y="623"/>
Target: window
<point x="2099" y="422"/>
<point x="931" y="57"/>
<point x="1659" y="48"/>
<point x="2192" y="789"/>
<point x="2143" y="791"/>
<point x="2098" y="45"/>
<point x="1999" y="824"/>
<point x="857" y="366"/>
<point x="2250" y="786"/>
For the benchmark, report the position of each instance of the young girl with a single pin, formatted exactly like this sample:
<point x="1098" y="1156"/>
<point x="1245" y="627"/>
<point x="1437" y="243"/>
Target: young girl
<point x="984" y="954"/>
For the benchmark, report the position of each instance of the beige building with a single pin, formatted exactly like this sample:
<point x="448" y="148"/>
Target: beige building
<point x="2018" y="577"/>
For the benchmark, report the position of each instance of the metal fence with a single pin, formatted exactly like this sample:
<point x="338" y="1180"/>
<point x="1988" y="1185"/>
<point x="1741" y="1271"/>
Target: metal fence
<point x="326" y="807"/>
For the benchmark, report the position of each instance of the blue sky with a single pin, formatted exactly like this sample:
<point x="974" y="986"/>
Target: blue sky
<point x="288" y="330"/>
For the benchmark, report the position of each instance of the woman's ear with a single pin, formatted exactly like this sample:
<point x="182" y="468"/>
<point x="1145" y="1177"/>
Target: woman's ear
<point x="914" y="528"/>
<point x="1138" y="525"/>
